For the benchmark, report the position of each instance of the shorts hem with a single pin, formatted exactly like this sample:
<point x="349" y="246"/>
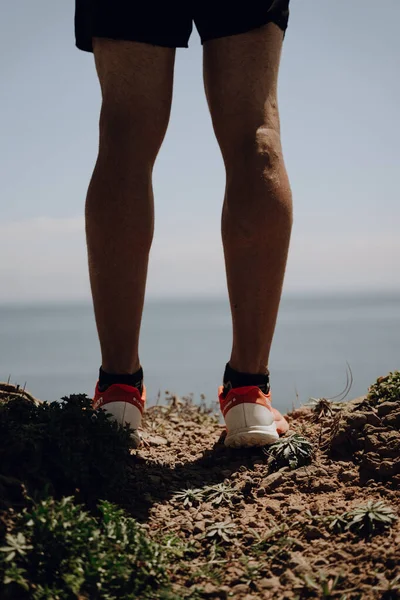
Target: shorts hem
<point x="87" y="46"/>
<point x="245" y="29"/>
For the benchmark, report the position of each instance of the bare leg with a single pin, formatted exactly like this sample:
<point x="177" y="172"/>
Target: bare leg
<point x="136" y="82"/>
<point x="241" y="75"/>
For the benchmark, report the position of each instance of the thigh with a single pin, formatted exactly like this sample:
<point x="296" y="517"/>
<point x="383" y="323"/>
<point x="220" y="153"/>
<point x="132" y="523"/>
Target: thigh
<point x="136" y="83"/>
<point x="240" y="75"/>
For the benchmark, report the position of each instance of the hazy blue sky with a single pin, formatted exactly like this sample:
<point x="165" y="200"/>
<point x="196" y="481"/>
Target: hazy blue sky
<point x="339" y="98"/>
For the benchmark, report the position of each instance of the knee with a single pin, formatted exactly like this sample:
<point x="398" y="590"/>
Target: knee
<point x="128" y="135"/>
<point x="255" y="166"/>
<point x="256" y="153"/>
<point x="258" y="189"/>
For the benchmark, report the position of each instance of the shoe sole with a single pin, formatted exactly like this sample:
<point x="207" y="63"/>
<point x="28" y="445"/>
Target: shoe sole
<point x="256" y="436"/>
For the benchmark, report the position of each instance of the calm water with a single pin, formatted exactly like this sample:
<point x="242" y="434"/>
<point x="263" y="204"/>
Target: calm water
<point x="185" y="345"/>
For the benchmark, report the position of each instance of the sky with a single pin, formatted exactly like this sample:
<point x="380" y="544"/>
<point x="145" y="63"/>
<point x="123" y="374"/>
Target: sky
<point x="339" y="94"/>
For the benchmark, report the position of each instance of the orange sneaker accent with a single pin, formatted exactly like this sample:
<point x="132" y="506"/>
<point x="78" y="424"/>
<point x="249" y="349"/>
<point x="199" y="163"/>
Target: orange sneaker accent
<point x="119" y="392"/>
<point x="250" y="418"/>
<point x="125" y="404"/>
<point x="249" y="394"/>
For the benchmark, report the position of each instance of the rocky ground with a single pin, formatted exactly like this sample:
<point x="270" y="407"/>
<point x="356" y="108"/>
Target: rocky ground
<point x="316" y="519"/>
<point x="278" y="536"/>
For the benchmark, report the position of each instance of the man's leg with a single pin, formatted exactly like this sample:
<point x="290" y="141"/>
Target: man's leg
<point x="241" y="74"/>
<point x="136" y="82"/>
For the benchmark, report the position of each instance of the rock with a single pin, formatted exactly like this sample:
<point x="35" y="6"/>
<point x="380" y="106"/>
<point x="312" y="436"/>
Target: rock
<point x="240" y="588"/>
<point x="313" y="533"/>
<point x="356" y="419"/>
<point x="347" y="476"/>
<point x="324" y="486"/>
<point x="269" y="583"/>
<point x="298" y="563"/>
<point x="212" y="591"/>
<point x="392" y="419"/>
<point x="279" y="496"/>
<point x="199" y="527"/>
<point x="157" y="440"/>
<point x="273" y="481"/>
<point x="296" y="508"/>
<point x="386" y="407"/>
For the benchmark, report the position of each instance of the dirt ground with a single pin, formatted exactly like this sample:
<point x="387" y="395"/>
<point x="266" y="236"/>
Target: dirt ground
<point x="231" y="523"/>
<point x="279" y="538"/>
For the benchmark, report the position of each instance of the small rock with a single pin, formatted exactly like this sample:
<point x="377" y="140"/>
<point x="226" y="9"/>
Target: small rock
<point x="157" y="440"/>
<point x="373" y="419"/>
<point x="393" y="419"/>
<point x="240" y="588"/>
<point x="269" y="583"/>
<point x="279" y="496"/>
<point x="273" y="481"/>
<point x="347" y="476"/>
<point x="199" y="527"/>
<point x="313" y="533"/>
<point x="298" y="563"/>
<point x="324" y="486"/>
<point x="212" y="591"/>
<point x="357" y="419"/>
<point x="371" y="483"/>
<point x="386" y="407"/>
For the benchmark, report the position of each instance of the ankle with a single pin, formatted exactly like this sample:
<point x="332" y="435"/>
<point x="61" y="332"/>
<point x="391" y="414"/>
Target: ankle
<point x="134" y="379"/>
<point x="234" y="379"/>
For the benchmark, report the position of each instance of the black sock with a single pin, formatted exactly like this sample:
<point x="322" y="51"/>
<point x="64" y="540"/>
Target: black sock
<point x="234" y="379"/>
<point x="107" y="379"/>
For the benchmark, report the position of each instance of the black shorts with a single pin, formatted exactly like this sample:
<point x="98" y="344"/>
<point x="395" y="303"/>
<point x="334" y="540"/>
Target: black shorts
<point x="170" y="24"/>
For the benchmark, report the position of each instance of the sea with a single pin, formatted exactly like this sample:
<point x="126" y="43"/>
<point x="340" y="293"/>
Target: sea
<point x="322" y="344"/>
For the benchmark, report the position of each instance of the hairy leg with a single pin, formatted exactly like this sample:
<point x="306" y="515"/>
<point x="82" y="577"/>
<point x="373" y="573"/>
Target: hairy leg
<point x="241" y="75"/>
<point x="136" y="83"/>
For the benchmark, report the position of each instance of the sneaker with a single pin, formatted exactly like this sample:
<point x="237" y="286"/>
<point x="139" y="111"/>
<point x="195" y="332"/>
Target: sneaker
<point x="125" y="404"/>
<point x="249" y="417"/>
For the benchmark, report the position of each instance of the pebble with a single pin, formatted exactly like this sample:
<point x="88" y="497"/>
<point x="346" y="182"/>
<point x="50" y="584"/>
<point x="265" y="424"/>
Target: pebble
<point x="269" y="583"/>
<point x="273" y="480"/>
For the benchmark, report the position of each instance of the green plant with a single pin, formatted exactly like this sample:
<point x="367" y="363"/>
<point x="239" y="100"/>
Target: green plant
<point x="369" y="519"/>
<point x="63" y="448"/>
<point x="220" y="494"/>
<point x="323" y="408"/>
<point x="224" y="530"/>
<point x="251" y="572"/>
<point x="189" y="496"/>
<point x="293" y="451"/>
<point x="322" y="585"/>
<point x="276" y="545"/>
<point x="385" y="388"/>
<point x="338" y="523"/>
<point x="57" y="550"/>
<point x="390" y="588"/>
